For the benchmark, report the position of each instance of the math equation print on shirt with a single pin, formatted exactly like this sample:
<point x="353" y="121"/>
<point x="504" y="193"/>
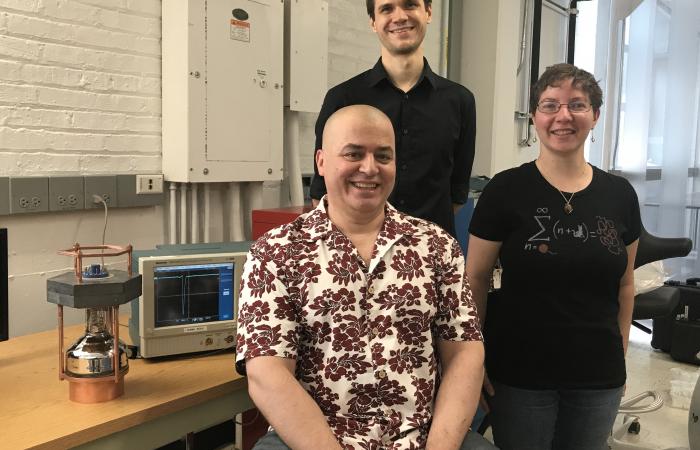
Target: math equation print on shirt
<point x="550" y="229"/>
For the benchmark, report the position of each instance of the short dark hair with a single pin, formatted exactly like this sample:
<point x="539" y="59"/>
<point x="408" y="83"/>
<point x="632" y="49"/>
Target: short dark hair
<point x="370" y="6"/>
<point x="580" y="79"/>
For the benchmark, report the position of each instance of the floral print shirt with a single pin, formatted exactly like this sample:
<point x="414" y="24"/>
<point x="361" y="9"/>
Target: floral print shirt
<point x="363" y="336"/>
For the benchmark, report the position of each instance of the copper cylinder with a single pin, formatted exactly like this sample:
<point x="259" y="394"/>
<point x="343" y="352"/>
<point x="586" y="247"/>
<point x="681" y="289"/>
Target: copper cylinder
<point x="95" y="390"/>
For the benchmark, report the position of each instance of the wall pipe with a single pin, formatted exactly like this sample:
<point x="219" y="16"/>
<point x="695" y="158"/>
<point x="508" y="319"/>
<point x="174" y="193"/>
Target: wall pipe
<point x="236" y="227"/>
<point x="183" y="213"/>
<point x="527" y="37"/>
<point x="296" y="190"/>
<point x="173" y="213"/>
<point x="207" y="211"/>
<point x="454" y="41"/>
<point x="195" y="213"/>
<point x="444" y="36"/>
<point x="255" y="200"/>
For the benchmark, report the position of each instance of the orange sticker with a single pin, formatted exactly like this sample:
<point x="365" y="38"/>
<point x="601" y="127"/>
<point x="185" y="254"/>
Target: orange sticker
<point x="240" y="30"/>
<point x="240" y="23"/>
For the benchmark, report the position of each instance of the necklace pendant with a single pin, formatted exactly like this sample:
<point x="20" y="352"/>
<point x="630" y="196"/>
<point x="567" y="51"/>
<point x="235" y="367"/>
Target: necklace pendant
<point x="568" y="208"/>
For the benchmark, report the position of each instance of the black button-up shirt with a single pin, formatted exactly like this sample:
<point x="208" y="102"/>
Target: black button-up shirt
<point x="435" y="129"/>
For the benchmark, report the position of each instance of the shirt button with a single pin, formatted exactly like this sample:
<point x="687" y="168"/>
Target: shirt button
<point x="404" y="167"/>
<point x="381" y="374"/>
<point x="405" y="131"/>
<point x="405" y="96"/>
<point x="401" y="202"/>
<point x="370" y="290"/>
<point x="375" y="332"/>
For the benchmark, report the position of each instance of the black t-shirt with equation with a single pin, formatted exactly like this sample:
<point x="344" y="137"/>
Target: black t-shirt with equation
<point x="553" y="324"/>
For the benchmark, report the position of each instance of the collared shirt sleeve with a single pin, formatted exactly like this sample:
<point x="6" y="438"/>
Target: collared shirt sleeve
<point x="456" y="319"/>
<point x="464" y="151"/>
<point x="267" y="319"/>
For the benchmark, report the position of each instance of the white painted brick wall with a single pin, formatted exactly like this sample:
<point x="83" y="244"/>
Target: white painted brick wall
<point x="79" y="86"/>
<point x="81" y="79"/>
<point x="79" y="94"/>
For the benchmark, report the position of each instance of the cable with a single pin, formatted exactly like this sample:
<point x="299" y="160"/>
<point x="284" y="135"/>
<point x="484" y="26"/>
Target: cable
<point x="97" y="199"/>
<point x="251" y="421"/>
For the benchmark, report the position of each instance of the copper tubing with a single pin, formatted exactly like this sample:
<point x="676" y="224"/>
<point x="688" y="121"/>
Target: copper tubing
<point x="128" y="259"/>
<point x="77" y="252"/>
<point x="115" y="351"/>
<point x="61" y="368"/>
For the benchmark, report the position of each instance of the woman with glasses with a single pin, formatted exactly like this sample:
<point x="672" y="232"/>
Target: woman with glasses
<point x="566" y="234"/>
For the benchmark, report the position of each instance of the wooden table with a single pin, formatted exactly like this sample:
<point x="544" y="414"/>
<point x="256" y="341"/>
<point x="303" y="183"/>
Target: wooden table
<point x="163" y="399"/>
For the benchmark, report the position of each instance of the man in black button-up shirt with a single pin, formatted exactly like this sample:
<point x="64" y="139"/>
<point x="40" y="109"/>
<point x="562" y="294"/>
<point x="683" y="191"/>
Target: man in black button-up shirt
<point x="434" y="119"/>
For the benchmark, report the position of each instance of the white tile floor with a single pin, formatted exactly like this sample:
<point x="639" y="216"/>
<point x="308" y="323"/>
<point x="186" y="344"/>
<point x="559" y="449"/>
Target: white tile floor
<point x="648" y="369"/>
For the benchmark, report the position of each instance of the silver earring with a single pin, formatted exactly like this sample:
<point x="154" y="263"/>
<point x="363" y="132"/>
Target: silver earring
<point x="592" y="137"/>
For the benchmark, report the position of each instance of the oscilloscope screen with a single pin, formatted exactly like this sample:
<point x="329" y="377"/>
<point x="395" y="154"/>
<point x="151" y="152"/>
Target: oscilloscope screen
<point x="193" y="294"/>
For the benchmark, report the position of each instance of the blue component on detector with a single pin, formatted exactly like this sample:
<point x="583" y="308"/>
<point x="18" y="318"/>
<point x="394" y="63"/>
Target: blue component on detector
<point x="95" y="271"/>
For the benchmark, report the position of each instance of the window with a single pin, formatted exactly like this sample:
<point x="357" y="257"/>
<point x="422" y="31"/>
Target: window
<point x="648" y="60"/>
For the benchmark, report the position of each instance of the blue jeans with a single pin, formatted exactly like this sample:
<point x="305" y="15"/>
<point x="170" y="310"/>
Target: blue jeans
<point x="568" y="419"/>
<point x="272" y="441"/>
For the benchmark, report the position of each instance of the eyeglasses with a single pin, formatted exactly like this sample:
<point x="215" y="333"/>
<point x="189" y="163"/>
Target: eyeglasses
<point x="576" y="107"/>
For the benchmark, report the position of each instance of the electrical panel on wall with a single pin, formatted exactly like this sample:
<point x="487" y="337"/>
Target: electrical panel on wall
<point x="306" y="54"/>
<point x="222" y="90"/>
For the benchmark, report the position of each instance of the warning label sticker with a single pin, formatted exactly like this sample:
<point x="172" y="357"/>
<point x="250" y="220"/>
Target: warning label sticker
<point x="240" y="30"/>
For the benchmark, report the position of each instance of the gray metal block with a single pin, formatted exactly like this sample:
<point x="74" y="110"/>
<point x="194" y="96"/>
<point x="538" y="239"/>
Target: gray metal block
<point x="29" y="194"/>
<point x="117" y="289"/>
<point x="127" y="196"/>
<point x="4" y="196"/>
<point x="103" y="186"/>
<point x="66" y="193"/>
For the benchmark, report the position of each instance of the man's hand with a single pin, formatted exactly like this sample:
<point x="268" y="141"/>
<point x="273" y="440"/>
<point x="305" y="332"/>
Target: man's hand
<point x="291" y="411"/>
<point x="486" y="390"/>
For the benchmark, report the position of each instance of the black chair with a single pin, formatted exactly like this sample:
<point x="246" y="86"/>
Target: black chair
<point x="663" y="300"/>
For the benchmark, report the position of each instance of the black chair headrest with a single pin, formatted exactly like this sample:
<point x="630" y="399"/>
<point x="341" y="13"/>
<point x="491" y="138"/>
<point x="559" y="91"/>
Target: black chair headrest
<point x="654" y="248"/>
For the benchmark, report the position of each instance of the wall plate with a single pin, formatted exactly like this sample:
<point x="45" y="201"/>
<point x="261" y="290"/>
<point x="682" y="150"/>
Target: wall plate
<point x="149" y="184"/>
<point x="29" y="194"/>
<point x="103" y="186"/>
<point x="4" y="196"/>
<point x="66" y="193"/>
<point x="127" y="192"/>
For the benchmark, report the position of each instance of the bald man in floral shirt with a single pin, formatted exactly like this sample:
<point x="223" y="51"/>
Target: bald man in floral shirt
<point x="352" y="315"/>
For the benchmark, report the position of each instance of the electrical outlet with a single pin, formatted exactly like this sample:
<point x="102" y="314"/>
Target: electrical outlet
<point x="149" y="184"/>
<point x="29" y="194"/>
<point x="104" y="187"/>
<point x="66" y="193"/>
